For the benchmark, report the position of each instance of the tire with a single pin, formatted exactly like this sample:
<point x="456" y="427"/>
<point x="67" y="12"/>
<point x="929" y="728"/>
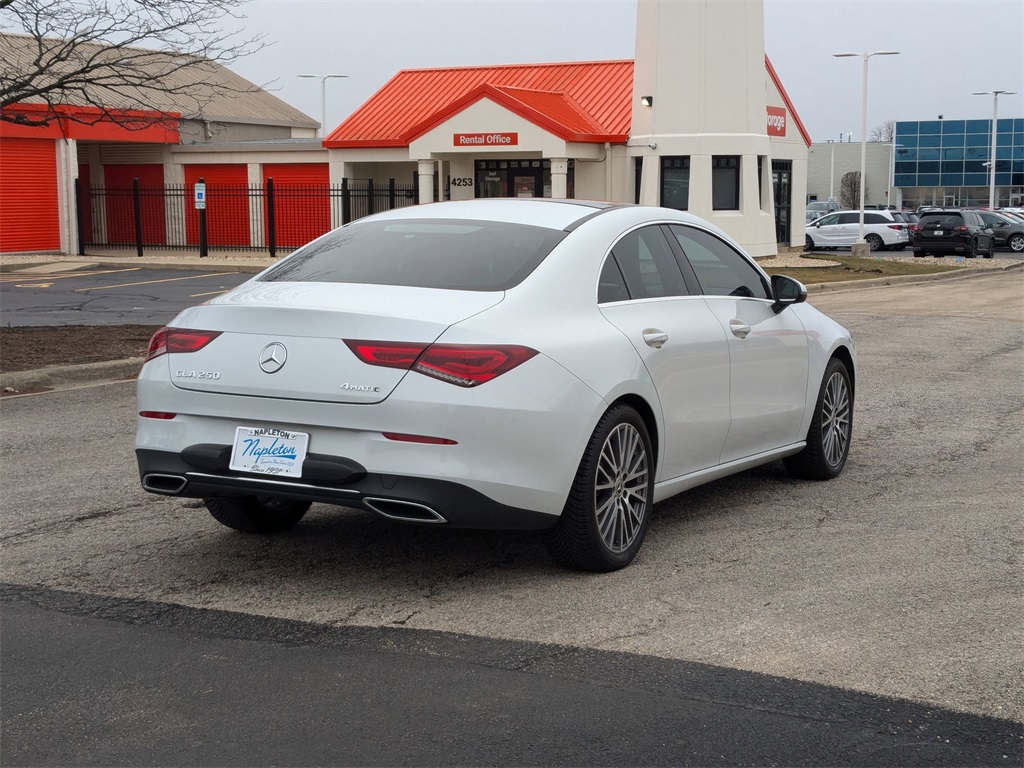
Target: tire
<point x="256" y="514"/>
<point x="1016" y="243"/>
<point x="604" y="520"/>
<point x="874" y="241"/>
<point x="919" y="254"/>
<point x="828" y="439"/>
<point x="973" y="251"/>
<point x="808" y="243"/>
<point x="992" y="248"/>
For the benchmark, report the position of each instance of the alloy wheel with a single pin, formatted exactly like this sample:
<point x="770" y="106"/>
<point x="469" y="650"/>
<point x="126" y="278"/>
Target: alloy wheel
<point x="835" y="419"/>
<point x="620" y="488"/>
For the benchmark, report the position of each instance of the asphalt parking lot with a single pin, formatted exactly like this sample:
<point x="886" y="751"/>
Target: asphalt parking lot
<point x="76" y="293"/>
<point x="902" y="578"/>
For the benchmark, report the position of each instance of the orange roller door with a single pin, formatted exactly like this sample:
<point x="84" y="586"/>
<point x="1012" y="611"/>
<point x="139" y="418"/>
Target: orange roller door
<point x="29" y="208"/>
<point x="119" y="180"/>
<point x="227" y="204"/>
<point x="302" y="203"/>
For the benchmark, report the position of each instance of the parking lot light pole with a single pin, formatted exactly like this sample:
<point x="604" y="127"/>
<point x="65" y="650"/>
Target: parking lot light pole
<point x="323" y="100"/>
<point x="864" y="125"/>
<point x="992" y="139"/>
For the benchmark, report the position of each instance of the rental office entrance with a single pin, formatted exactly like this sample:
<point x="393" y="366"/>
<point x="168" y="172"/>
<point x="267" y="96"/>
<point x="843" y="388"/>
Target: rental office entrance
<point x="517" y="178"/>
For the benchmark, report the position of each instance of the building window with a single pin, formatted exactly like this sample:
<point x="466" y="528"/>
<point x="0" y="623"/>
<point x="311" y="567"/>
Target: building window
<point x="638" y="174"/>
<point x="675" y="183"/>
<point x="725" y="182"/>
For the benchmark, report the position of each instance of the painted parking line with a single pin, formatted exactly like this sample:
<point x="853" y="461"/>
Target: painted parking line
<point x="208" y="293"/>
<point x="15" y="277"/>
<point x="151" y="282"/>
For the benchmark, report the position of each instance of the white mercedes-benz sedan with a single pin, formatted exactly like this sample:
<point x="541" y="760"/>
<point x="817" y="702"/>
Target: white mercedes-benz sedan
<point x="556" y="365"/>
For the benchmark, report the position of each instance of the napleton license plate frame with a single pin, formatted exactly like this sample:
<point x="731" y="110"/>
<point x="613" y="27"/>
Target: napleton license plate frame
<point x="269" y="451"/>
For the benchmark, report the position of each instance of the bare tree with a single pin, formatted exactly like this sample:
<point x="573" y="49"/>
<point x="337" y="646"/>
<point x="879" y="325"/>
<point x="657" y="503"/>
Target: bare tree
<point x="849" y="190"/>
<point x="884" y="132"/>
<point x="137" y="55"/>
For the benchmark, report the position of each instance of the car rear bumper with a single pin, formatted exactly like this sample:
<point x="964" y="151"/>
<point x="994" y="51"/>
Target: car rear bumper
<point x="204" y="473"/>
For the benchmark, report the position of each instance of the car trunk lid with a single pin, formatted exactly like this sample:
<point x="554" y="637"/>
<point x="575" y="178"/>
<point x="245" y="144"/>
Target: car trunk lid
<point x="286" y="340"/>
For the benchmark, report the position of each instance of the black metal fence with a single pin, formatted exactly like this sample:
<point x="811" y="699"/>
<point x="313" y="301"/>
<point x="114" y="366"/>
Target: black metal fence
<point x="239" y="217"/>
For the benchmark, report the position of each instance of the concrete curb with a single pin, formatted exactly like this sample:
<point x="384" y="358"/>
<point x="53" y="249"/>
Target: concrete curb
<point x="878" y="282"/>
<point x="63" y="376"/>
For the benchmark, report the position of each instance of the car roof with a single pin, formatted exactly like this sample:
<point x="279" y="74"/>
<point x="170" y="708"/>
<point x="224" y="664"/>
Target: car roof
<point x="538" y="211"/>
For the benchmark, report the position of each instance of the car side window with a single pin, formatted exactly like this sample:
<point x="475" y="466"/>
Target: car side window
<point x="720" y="270"/>
<point x="849" y="218"/>
<point x="648" y="266"/>
<point x="611" y="286"/>
<point x="875" y="218"/>
<point x="832" y="218"/>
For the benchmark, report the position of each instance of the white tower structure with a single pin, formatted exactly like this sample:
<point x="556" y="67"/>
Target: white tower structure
<point x="699" y="100"/>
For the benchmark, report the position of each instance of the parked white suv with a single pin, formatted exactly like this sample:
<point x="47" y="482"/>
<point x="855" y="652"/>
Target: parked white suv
<point x="840" y="230"/>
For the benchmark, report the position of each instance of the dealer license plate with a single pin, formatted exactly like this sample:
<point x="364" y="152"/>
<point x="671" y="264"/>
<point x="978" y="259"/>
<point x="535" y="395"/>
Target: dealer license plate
<point x="269" y="451"/>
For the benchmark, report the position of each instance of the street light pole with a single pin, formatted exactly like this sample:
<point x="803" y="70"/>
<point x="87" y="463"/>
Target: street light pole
<point x="323" y="100"/>
<point x="992" y="150"/>
<point x="832" y="173"/>
<point x="864" y="126"/>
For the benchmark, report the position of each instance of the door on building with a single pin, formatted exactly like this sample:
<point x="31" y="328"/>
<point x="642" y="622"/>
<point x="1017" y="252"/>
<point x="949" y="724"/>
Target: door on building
<point x="782" y="178"/>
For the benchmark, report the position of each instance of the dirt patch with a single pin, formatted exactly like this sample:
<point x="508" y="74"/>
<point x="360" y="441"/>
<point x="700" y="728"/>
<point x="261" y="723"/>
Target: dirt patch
<point x="25" y="349"/>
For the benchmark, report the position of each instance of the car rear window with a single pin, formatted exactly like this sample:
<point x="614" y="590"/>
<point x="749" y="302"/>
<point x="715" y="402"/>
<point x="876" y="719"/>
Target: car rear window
<point x="941" y="219"/>
<point x="425" y="253"/>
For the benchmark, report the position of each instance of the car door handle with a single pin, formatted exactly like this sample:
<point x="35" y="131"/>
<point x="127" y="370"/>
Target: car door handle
<point x="739" y="328"/>
<point x="654" y="338"/>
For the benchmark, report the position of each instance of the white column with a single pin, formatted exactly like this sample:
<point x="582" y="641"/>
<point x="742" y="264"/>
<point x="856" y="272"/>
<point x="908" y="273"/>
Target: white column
<point x="175" y="205"/>
<point x="425" y="170"/>
<point x="559" y="177"/>
<point x="700" y="186"/>
<point x="257" y="205"/>
<point x="750" y="193"/>
<point x="650" y="182"/>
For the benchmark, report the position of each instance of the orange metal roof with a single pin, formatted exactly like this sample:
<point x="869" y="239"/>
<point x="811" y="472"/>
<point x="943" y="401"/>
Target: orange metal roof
<point x="579" y="101"/>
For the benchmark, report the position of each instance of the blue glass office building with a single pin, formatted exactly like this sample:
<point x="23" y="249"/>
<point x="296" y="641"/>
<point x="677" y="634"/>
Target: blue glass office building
<point x="945" y="162"/>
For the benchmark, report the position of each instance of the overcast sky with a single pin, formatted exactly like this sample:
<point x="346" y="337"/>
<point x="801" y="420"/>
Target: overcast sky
<point x="949" y="48"/>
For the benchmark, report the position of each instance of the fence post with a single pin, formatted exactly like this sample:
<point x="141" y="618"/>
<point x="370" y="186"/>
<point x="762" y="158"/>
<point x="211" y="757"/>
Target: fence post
<point x="271" y="226"/>
<point x="346" y="203"/>
<point x="203" y="249"/>
<point x="78" y="216"/>
<point x="370" y="208"/>
<point x="391" y="194"/>
<point x="137" y="207"/>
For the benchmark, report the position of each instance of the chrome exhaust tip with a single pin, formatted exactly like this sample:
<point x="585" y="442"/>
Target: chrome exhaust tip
<point x="168" y="485"/>
<point x="404" y="511"/>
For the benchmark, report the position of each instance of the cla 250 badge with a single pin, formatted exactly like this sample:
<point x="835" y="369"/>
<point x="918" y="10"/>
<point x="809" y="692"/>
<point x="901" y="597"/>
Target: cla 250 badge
<point x="181" y="374"/>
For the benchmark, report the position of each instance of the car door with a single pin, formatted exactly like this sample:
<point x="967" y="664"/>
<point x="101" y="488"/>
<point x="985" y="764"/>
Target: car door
<point x="826" y="231"/>
<point x="1000" y="227"/>
<point x="681" y="343"/>
<point x="768" y="351"/>
<point x="847" y="229"/>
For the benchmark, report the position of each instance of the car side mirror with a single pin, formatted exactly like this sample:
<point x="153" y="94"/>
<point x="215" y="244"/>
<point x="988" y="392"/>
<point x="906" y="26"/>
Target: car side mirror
<point x="786" y="291"/>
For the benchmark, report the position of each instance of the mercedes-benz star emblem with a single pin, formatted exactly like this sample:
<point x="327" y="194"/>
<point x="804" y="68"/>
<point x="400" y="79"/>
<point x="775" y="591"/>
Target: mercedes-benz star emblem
<point x="273" y="357"/>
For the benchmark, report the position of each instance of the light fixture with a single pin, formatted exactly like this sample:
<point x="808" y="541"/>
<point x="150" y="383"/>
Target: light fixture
<point x="863" y="124"/>
<point x="992" y="142"/>
<point x="323" y="99"/>
<point x="647" y="101"/>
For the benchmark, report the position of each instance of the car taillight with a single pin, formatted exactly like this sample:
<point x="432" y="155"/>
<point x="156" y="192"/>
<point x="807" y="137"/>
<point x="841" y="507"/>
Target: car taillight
<point x="178" y="340"/>
<point x="386" y="353"/>
<point x="914" y="228"/>
<point x="897" y="227"/>
<point x="465" y="365"/>
<point x="157" y="415"/>
<point x="961" y="228"/>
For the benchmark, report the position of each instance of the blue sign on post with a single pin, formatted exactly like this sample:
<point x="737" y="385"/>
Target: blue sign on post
<point x="200" y="196"/>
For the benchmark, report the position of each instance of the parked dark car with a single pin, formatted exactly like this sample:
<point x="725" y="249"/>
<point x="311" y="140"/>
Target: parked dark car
<point x="1007" y="230"/>
<point x="956" y="231"/>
